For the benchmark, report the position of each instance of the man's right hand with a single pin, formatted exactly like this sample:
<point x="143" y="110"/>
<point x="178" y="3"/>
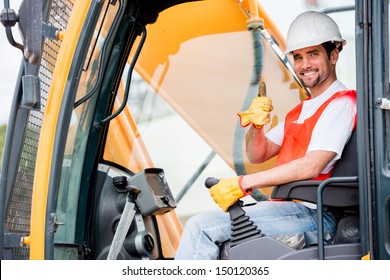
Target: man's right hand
<point x="227" y="191"/>
<point x="258" y="113"/>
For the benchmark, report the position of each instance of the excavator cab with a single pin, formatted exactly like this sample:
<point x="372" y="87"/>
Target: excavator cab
<point x="79" y="180"/>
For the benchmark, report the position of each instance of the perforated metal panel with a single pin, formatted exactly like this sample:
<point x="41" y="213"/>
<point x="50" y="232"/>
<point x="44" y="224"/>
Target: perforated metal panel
<point x="19" y="210"/>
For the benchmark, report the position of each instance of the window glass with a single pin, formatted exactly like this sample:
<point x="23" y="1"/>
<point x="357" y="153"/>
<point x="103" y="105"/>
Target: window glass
<point x="68" y="197"/>
<point x="175" y="147"/>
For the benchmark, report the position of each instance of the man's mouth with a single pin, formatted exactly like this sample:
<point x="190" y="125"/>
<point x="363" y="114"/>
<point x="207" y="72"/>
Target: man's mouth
<point x="308" y="73"/>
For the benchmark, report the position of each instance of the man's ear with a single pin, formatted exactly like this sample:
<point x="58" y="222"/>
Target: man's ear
<point x="334" y="56"/>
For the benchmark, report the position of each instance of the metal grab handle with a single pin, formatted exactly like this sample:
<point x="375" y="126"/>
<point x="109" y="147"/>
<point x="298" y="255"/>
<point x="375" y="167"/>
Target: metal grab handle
<point x="320" y="216"/>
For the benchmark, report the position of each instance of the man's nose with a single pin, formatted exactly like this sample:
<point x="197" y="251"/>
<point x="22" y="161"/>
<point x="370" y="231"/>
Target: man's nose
<point x="306" y="62"/>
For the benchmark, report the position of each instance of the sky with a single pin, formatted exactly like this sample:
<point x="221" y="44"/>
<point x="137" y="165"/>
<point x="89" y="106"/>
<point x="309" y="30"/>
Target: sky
<point x="10" y="60"/>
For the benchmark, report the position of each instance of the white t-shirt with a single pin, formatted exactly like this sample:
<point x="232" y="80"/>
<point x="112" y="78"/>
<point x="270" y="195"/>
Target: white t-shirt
<point x="332" y="129"/>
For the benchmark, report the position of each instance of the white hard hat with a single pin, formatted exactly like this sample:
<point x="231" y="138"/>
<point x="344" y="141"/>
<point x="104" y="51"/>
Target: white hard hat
<point x="311" y="29"/>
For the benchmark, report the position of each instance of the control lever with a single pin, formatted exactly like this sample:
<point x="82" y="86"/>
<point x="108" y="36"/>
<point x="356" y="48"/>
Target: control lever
<point x="243" y="229"/>
<point x="126" y="218"/>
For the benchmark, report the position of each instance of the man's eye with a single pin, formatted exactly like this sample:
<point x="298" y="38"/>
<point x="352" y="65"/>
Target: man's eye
<point x="297" y="58"/>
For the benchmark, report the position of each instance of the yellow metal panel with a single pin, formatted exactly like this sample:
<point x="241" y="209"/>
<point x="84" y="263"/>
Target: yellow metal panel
<point x="48" y="130"/>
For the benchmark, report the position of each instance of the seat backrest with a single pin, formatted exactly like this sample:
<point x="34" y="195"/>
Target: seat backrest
<point x="347" y="164"/>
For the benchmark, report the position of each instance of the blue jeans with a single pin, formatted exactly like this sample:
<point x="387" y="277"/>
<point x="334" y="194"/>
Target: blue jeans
<point x="203" y="232"/>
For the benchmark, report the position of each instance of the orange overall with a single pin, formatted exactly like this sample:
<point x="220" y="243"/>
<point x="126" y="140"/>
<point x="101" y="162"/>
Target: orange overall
<point x="297" y="136"/>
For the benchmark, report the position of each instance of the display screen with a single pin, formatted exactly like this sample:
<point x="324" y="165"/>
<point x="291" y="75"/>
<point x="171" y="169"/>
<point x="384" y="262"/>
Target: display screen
<point x="156" y="183"/>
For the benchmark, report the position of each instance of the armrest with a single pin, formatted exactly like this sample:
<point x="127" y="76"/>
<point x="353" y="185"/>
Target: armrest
<point x="343" y="194"/>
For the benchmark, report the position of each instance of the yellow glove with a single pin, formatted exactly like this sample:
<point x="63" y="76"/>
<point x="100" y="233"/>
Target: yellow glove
<point x="258" y="113"/>
<point x="227" y="192"/>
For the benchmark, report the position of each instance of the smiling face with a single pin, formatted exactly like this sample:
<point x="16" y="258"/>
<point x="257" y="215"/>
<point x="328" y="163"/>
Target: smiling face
<point x="314" y="68"/>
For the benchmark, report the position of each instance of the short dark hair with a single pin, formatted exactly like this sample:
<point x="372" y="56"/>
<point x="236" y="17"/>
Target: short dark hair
<point x="330" y="46"/>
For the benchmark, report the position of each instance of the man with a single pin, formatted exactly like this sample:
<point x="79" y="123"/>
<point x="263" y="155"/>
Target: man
<point x="308" y="143"/>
